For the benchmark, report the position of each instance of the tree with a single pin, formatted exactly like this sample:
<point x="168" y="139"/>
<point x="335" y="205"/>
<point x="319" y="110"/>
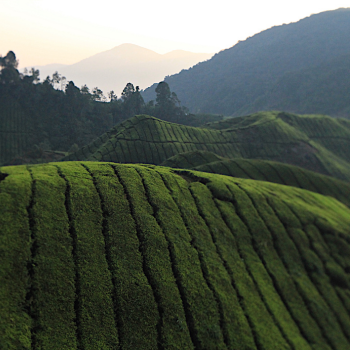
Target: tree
<point x="97" y="94"/>
<point x="9" y="61"/>
<point x="35" y="73"/>
<point x="48" y="81"/>
<point x="9" y="76"/>
<point x="132" y="100"/>
<point x="9" y="73"/>
<point x="85" y="90"/>
<point x="112" y="96"/>
<point x="128" y="91"/>
<point x="28" y="77"/>
<point x="72" y="90"/>
<point x="56" y="79"/>
<point x="175" y="99"/>
<point x="63" y="83"/>
<point x="163" y="99"/>
<point x="138" y="101"/>
<point x="168" y="106"/>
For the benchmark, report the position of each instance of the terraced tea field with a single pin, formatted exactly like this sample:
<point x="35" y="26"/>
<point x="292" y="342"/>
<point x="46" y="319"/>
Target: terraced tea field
<point x="333" y="134"/>
<point x="317" y="143"/>
<point x="112" y="256"/>
<point x="263" y="170"/>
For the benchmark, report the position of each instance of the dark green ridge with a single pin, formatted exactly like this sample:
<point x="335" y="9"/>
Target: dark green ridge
<point x="157" y="262"/>
<point x="264" y="256"/>
<point x="111" y="256"/>
<point x="276" y="240"/>
<point x="263" y="170"/>
<point x="53" y="271"/>
<point x="15" y="248"/>
<point x="136" y="309"/>
<point x="300" y="67"/>
<point x="197" y="287"/>
<point x="316" y="282"/>
<point x="93" y="281"/>
<point x="276" y="136"/>
<point x="318" y="306"/>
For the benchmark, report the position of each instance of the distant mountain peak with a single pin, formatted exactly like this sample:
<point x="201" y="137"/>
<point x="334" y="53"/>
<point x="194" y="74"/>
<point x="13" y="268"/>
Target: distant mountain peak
<point x="114" y="68"/>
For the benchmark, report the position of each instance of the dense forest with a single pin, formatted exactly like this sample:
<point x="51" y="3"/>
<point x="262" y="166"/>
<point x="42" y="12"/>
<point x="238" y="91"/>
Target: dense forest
<point x="301" y="67"/>
<point x="55" y="115"/>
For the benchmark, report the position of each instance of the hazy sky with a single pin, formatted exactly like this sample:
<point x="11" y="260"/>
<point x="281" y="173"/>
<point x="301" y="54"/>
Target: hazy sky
<point x="66" y="31"/>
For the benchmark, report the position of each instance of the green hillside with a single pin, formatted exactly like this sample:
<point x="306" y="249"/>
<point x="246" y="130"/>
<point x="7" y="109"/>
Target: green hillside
<point x="262" y="170"/>
<point x="317" y="143"/>
<point x="110" y="256"/>
<point x="321" y="89"/>
<point x="300" y="67"/>
<point x="42" y="122"/>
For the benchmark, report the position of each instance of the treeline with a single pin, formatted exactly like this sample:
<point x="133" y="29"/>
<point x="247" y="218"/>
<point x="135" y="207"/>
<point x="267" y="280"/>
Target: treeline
<point x="63" y="117"/>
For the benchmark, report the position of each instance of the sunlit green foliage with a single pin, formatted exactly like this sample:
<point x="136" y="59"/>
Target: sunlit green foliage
<point x="263" y="170"/>
<point x="310" y="142"/>
<point x="107" y="256"/>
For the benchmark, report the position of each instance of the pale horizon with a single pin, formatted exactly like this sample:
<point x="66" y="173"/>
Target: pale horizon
<point x="43" y="32"/>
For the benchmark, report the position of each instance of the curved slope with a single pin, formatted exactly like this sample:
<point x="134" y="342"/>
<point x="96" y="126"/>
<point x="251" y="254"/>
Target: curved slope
<point x="263" y="170"/>
<point x="190" y="160"/>
<point x="233" y="79"/>
<point x="107" y="256"/>
<point x="267" y="135"/>
<point x="330" y="133"/>
<point x="321" y="89"/>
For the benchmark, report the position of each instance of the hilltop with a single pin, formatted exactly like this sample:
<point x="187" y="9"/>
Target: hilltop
<point x="263" y="170"/>
<point x="298" y="67"/>
<point x="107" y="256"/>
<point x="315" y="142"/>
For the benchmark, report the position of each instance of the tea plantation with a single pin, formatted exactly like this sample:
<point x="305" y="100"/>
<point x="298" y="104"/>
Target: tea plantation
<point x="263" y="170"/>
<point x="315" y="142"/>
<point x="114" y="256"/>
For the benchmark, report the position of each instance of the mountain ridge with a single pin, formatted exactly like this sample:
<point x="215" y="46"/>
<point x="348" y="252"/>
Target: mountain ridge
<point x="113" y="69"/>
<point x="234" y="78"/>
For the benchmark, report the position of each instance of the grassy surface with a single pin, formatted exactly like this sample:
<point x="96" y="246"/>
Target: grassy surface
<point x="110" y="256"/>
<point x="317" y="143"/>
<point x="263" y="170"/>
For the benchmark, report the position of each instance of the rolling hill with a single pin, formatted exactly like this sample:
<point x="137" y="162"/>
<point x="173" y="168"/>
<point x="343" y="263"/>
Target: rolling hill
<point x="112" y="256"/>
<point x="263" y="170"/>
<point x="299" y="67"/>
<point x="318" y="143"/>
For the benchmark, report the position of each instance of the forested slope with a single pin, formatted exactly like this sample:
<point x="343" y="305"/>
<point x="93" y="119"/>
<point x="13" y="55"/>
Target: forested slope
<point x="41" y="122"/>
<point x="317" y="143"/>
<point x="321" y="89"/>
<point x="299" y="67"/>
<point x="15" y="131"/>
<point x="110" y="256"/>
